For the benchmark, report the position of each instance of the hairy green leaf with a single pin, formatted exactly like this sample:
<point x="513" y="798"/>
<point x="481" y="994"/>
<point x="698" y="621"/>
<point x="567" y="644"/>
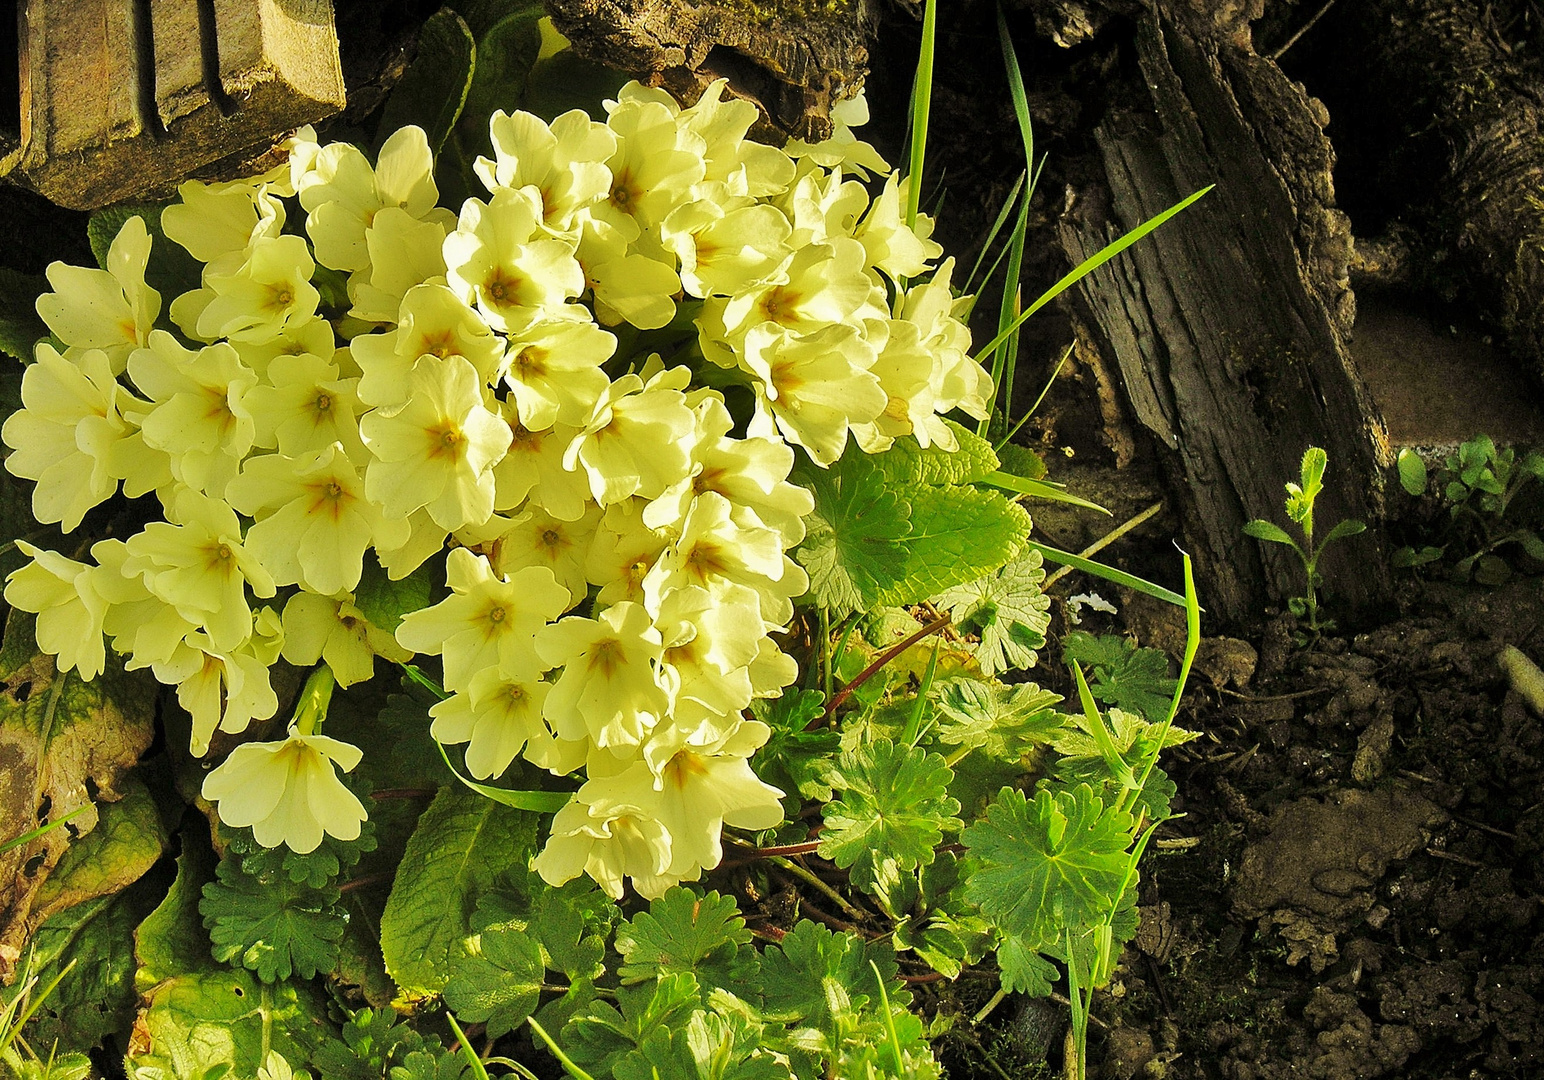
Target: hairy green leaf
<point x="433" y="90"/>
<point x="20" y="327"/>
<point x="894" y="807"/>
<point x="271" y="925"/>
<point x="684" y="932"/>
<point x="908" y="462"/>
<point x="1006" y="609"/>
<point x="1412" y="472"/>
<point x="1133" y="679"/>
<point x="1001" y="721"/>
<point x="462" y="843"/>
<point x="127" y="841"/>
<point x="499" y="982"/>
<point x="1056" y="862"/>
<point x="854" y="545"/>
<point x="957" y="535"/>
<point x="384" y="601"/>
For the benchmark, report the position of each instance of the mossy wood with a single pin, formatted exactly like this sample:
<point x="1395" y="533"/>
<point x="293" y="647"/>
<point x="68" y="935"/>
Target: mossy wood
<point x="120" y="99"/>
<point x="1230" y="326"/>
<point x="793" y="59"/>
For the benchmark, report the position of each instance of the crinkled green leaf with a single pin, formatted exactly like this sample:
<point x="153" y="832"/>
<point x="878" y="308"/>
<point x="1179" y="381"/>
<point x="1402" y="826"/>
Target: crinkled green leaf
<point x="433" y="90"/>
<point x="20" y="327"/>
<point x="683" y="932"/>
<point x="317" y="868"/>
<point x="1053" y="862"/>
<point x="462" y="843"/>
<point x="894" y="807"/>
<point x="373" y="1040"/>
<point x="499" y="982"/>
<point x="199" y="1017"/>
<point x="1006" y="609"/>
<point x="272" y="925"/>
<point x="602" y="1035"/>
<point x="908" y="462"/>
<point x="957" y="535"/>
<point x="793" y="758"/>
<point x="1133" y="679"/>
<point x="1001" y="721"/>
<point x="709" y="1047"/>
<point x="1024" y="969"/>
<point x="854" y="545"/>
<point x="384" y="601"/>
<point x="127" y="841"/>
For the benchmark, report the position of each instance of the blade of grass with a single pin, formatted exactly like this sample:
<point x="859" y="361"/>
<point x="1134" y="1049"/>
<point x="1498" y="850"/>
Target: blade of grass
<point x="921" y="105"/>
<point x="42" y="830"/>
<point x="1088" y="266"/>
<point x="1109" y="573"/>
<point x="479" y="1070"/>
<point x="1044" y="390"/>
<point x="1006" y="353"/>
<point x="991" y="236"/>
<point x="1192" y="643"/>
<point x="1039" y="489"/>
<point x="573" y="1070"/>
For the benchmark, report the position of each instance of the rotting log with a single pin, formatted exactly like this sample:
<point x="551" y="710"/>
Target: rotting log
<point x="121" y="98"/>
<point x="1230" y="324"/>
<point x="793" y="59"/>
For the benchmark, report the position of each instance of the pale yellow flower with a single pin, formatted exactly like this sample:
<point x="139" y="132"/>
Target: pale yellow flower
<point x="113" y="309"/>
<point x="501" y="258"/>
<point x="198" y="413"/>
<point x="611" y="845"/>
<point x="305" y="407"/>
<point x="225" y="690"/>
<point x="564" y="163"/>
<point x="553" y="369"/>
<point x="433" y="321"/>
<point x="539" y="539"/>
<point x="288" y="791"/>
<point x="609" y="690"/>
<point x="498" y="714"/>
<point x="335" y="631"/>
<point x="637" y="438"/>
<point x="63" y="595"/>
<point x="268" y="294"/>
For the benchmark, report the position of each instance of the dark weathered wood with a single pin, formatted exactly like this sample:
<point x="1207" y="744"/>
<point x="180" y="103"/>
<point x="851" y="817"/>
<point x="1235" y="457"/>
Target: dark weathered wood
<point x="792" y="60"/>
<point x="1229" y="324"/>
<point x="113" y="108"/>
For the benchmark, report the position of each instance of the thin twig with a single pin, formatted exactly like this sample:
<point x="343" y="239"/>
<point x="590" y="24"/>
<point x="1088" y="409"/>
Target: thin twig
<point x="1103" y="542"/>
<point x="884" y="658"/>
<point x="1307" y="26"/>
<point x="815" y="883"/>
<point x="368" y="879"/>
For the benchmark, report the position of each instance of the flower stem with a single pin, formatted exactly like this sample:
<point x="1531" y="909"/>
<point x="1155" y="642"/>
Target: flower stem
<point x="316" y="695"/>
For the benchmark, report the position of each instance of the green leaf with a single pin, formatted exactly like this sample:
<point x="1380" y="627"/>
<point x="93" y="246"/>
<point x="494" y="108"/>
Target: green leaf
<point x="499" y="982"/>
<point x="957" y="535"/>
<point x="96" y="997"/>
<point x="373" y="1040"/>
<point x="317" y="868"/>
<point x="1059" y="861"/>
<point x="462" y="843"/>
<point x="1024" y="970"/>
<point x="20" y="326"/>
<point x="1001" y="721"/>
<point x="601" y="1036"/>
<point x="854" y="546"/>
<point x="126" y="842"/>
<point x="1134" y="679"/>
<point x="1412" y="472"/>
<point x="433" y="90"/>
<point x="684" y="932"/>
<point x="894" y="807"/>
<point x="1342" y="530"/>
<point x="793" y="758"/>
<point x="199" y="1018"/>
<point x="272" y="925"/>
<point x="1006" y="609"/>
<point x="1409" y="556"/>
<point x="1264" y="530"/>
<point x="384" y="601"/>
<point x="709" y="1047"/>
<point x="506" y="51"/>
<point x="908" y="462"/>
<point x="437" y="1064"/>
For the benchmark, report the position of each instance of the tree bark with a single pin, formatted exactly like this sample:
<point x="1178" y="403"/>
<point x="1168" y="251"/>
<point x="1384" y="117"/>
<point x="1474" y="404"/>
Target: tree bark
<point x="1229" y="324"/>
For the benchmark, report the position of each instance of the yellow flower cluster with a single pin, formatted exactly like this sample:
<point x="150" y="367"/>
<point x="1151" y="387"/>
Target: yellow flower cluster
<point x="617" y="554"/>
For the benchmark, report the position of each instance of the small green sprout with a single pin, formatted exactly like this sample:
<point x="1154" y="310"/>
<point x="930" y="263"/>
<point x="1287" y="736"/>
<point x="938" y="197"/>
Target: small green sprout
<point x="1300" y="502"/>
<point x="1479" y="485"/>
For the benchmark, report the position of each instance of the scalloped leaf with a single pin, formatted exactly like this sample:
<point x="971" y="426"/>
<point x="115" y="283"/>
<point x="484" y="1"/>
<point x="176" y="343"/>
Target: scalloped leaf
<point x="894" y="808"/>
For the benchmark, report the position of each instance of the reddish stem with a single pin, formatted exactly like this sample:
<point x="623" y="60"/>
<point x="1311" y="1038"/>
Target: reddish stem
<point x="884" y="658"/>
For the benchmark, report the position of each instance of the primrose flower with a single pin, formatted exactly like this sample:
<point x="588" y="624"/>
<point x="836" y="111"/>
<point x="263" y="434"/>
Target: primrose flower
<point x="404" y="253"/>
<point x="812" y="389"/>
<point x="564" y="163"/>
<point x="501" y="258"/>
<point x="269" y="293"/>
<point x="200" y="566"/>
<point x="554" y="371"/>
<point x="539" y="539"/>
<point x="725" y="252"/>
<point x="343" y="194"/>
<point x="623" y="552"/>
<point x="817" y="286"/>
<point x="742" y="166"/>
<point x="711" y="639"/>
<point x="321" y="628"/>
<point x="217" y="222"/>
<point x="225" y="690"/>
<point x="432" y="321"/>
<point x="533" y="471"/>
<point x="498" y="714"/>
<point x="655" y="166"/>
<point x="636" y="440"/>
<point x="439" y="450"/>
<point x="198" y="412"/>
<point x="63" y="595"/>
<point x="487" y="621"/>
<point x="113" y="309"/>
<point x="715" y="549"/>
<point x="306" y="408"/>
<point x="68" y="434"/>
<point x="843" y="148"/>
<point x="314" y="522"/>
<point x="611" y="845"/>
<point x="288" y="791"/>
<point x="627" y="286"/>
<point x="891" y="245"/>
<point x="608" y="691"/>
